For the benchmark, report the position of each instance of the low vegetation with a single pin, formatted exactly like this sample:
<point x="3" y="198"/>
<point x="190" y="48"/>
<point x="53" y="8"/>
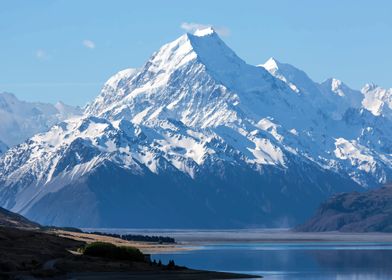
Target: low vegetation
<point x="140" y="238"/>
<point x="71" y="229"/>
<point x="110" y="251"/>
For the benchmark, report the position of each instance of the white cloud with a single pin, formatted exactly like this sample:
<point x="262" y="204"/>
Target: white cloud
<point x="41" y="54"/>
<point x="88" y="44"/>
<point x="191" y="27"/>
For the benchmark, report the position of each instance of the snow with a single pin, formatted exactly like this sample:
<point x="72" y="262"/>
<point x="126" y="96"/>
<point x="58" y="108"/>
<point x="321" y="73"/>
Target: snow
<point x="271" y="64"/>
<point x="277" y="69"/>
<point x="335" y="86"/>
<point x="377" y="100"/>
<point x="204" y="32"/>
<point x="20" y="120"/>
<point x="332" y="97"/>
<point x="113" y="90"/>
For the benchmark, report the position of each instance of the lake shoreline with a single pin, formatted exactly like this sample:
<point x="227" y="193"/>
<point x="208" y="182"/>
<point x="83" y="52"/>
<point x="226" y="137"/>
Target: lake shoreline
<point x="285" y="256"/>
<point x="191" y="239"/>
<point x="33" y="253"/>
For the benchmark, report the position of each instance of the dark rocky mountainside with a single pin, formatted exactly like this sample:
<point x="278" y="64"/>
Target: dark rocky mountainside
<point x="10" y="219"/>
<point x="354" y="212"/>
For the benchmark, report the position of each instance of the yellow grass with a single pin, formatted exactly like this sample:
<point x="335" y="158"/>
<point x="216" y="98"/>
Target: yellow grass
<point x="145" y="247"/>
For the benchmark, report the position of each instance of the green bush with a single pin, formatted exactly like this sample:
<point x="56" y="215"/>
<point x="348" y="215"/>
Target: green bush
<point x="110" y="251"/>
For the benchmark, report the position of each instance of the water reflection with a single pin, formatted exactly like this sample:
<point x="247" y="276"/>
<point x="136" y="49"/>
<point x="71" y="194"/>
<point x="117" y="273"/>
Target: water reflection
<point x="379" y="261"/>
<point x="295" y="261"/>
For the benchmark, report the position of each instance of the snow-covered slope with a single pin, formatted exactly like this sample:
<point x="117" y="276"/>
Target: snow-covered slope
<point x="113" y="90"/>
<point x="358" y="137"/>
<point x="378" y="100"/>
<point x="332" y="97"/>
<point x="198" y="138"/>
<point x="20" y="120"/>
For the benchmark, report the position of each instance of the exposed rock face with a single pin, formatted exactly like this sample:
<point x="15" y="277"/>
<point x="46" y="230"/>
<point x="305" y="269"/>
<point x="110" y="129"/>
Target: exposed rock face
<point x="354" y="212"/>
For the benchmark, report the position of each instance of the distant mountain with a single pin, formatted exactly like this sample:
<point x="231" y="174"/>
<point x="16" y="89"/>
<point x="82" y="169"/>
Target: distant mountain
<point x="19" y="120"/>
<point x="354" y="212"/>
<point x="198" y="138"/>
<point x="3" y="147"/>
<point x="378" y="100"/>
<point x="10" y="219"/>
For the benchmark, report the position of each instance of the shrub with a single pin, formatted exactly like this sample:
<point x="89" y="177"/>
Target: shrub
<point x="171" y="264"/>
<point x="110" y="251"/>
<point x="133" y="237"/>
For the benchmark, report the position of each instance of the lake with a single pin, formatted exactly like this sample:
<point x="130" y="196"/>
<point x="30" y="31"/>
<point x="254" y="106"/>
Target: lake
<point x="289" y="256"/>
<point x="292" y="261"/>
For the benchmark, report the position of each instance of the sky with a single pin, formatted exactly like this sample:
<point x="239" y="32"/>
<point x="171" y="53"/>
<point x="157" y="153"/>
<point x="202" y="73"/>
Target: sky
<point x="53" y="50"/>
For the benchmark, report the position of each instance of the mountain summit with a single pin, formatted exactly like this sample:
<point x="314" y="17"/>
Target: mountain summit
<point x="197" y="138"/>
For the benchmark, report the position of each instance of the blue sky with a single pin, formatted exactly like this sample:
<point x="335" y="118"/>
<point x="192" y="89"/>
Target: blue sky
<point x="65" y="50"/>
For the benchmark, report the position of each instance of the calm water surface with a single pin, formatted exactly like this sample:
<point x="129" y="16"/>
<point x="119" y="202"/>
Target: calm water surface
<point x="281" y="260"/>
<point x="320" y="261"/>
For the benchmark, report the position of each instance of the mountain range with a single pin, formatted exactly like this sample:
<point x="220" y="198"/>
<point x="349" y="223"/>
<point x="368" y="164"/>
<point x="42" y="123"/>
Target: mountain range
<point x="20" y="120"/>
<point x="198" y="138"/>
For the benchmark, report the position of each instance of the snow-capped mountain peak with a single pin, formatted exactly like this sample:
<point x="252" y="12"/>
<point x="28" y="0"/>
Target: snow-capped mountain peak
<point x="207" y="49"/>
<point x="377" y="100"/>
<point x="369" y="87"/>
<point x="271" y="65"/>
<point x="335" y="85"/>
<point x="341" y="93"/>
<point x="295" y="78"/>
<point x="204" y="32"/>
<point x="196" y="79"/>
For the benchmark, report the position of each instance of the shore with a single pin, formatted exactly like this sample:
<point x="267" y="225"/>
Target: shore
<point x="36" y="254"/>
<point x="190" y="238"/>
<point x="145" y="247"/>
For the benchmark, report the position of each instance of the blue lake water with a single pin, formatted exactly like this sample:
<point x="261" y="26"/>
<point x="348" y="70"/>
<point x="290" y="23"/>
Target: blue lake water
<point x="289" y="256"/>
<point x="319" y="261"/>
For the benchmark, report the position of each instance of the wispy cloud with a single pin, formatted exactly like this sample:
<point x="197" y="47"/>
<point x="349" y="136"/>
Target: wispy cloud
<point x="41" y="54"/>
<point x="193" y="26"/>
<point x="88" y="44"/>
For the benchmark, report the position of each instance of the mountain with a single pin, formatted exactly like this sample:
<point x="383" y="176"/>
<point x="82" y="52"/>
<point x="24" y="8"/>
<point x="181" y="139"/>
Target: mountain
<point x="3" y="147"/>
<point x="19" y="120"/>
<point x="197" y="138"/>
<point x="360" y="138"/>
<point x="10" y="219"/>
<point x="354" y="212"/>
<point x="378" y="100"/>
<point x="332" y="96"/>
